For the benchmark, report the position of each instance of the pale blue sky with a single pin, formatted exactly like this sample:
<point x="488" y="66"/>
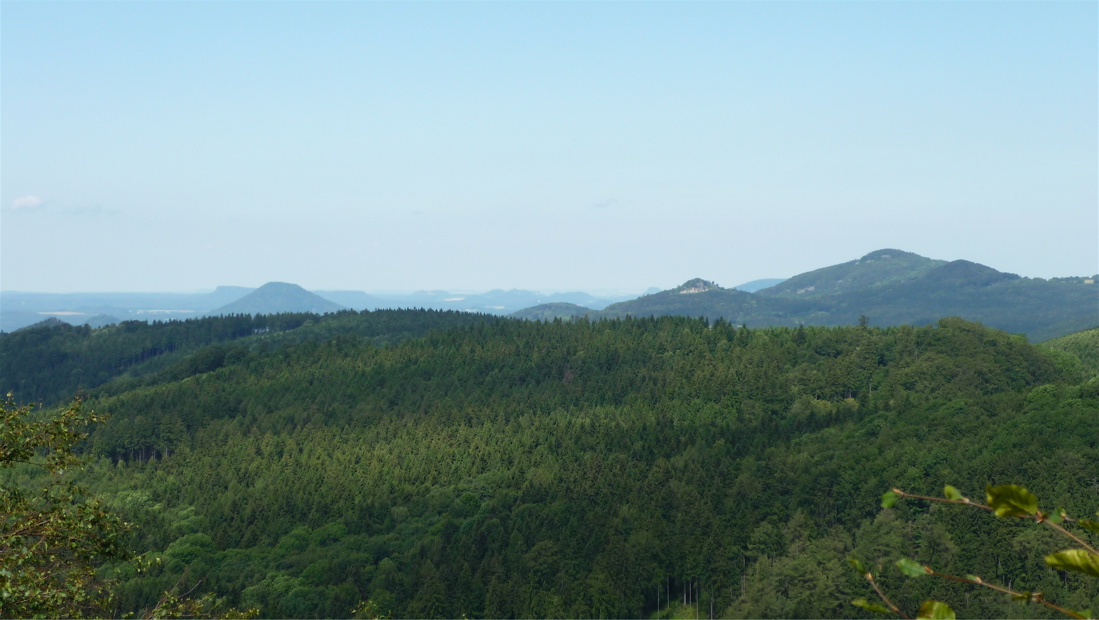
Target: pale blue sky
<point x="176" y="146"/>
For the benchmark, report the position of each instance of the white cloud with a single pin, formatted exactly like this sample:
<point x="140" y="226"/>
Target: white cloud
<point x="35" y="204"/>
<point x="26" y="202"/>
<point x="605" y="204"/>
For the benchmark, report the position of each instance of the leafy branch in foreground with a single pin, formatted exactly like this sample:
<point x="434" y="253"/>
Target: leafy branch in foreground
<point x="173" y="604"/>
<point x="1007" y="500"/>
<point x="52" y="533"/>
<point x="50" y="536"/>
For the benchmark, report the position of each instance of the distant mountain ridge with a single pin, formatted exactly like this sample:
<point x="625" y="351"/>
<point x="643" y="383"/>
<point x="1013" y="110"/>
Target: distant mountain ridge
<point x="756" y="285"/>
<point x="889" y="287"/>
<point x="695" y="297"/>
<point x="553" y="310"/>
<point x="277" y="297"/>
<point x="876" y="269"/>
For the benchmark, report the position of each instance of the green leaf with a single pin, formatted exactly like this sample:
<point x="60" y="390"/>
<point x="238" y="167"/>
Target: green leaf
<point x="1089" y="525"/>
<point x="858" y="566"/>
<point x="1022" y="597"/>
<point x="1057" y="516"/>
<point x="1079" y="560"/>
<point x="868" y="606"/>
<point x="1010" y="500"/>
<point x="952" y="493"/>
<point x="912" y="568"/>
<point x="935" y="610"/>
<point x="888" y="499"/>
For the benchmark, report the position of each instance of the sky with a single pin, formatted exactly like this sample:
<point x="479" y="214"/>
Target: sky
<point x="600" y="146"/>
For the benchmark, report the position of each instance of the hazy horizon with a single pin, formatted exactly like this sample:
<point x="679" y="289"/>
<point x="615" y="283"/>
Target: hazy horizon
<point x="411" y="291"/>
<point x="595" y="292"/>
<point x="155" y="147"/>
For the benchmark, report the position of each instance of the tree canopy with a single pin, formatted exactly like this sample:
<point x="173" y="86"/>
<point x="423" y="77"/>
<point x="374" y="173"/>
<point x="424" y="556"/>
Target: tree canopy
<point x="589" y="468"/>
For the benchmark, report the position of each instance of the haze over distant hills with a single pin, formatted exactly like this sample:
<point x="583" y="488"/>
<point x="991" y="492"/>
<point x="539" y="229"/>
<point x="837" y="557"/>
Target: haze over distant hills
<point x="496" y="301"/>
<point x="889" y="287"/>
<point x="21" y="309"/>
<point x="276" y="297"/>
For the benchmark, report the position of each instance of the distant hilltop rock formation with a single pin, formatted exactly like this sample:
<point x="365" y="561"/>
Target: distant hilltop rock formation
<point x="695" y="297"/>
<point x="277" y="297"/>
<point x="698" y="285"/>
<point x="888" y="287"/>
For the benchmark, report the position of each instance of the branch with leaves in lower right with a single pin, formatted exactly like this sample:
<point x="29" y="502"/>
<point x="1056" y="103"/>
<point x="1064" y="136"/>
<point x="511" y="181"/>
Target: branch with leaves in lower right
<point x="1007" y="500"/>
<point x="1010" y="500"/>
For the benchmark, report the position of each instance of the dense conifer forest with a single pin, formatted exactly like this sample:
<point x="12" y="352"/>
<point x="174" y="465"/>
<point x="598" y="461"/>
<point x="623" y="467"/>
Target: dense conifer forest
<point x="52" y="362"/>
<point x="435" y="464"/>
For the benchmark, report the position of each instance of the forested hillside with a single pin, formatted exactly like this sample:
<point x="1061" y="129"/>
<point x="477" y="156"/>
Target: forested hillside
<point x="874" y="270"/>
<point x="1082" y="349"/>
<point x="610" y="468"/>
<point x="52" y="362"/>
